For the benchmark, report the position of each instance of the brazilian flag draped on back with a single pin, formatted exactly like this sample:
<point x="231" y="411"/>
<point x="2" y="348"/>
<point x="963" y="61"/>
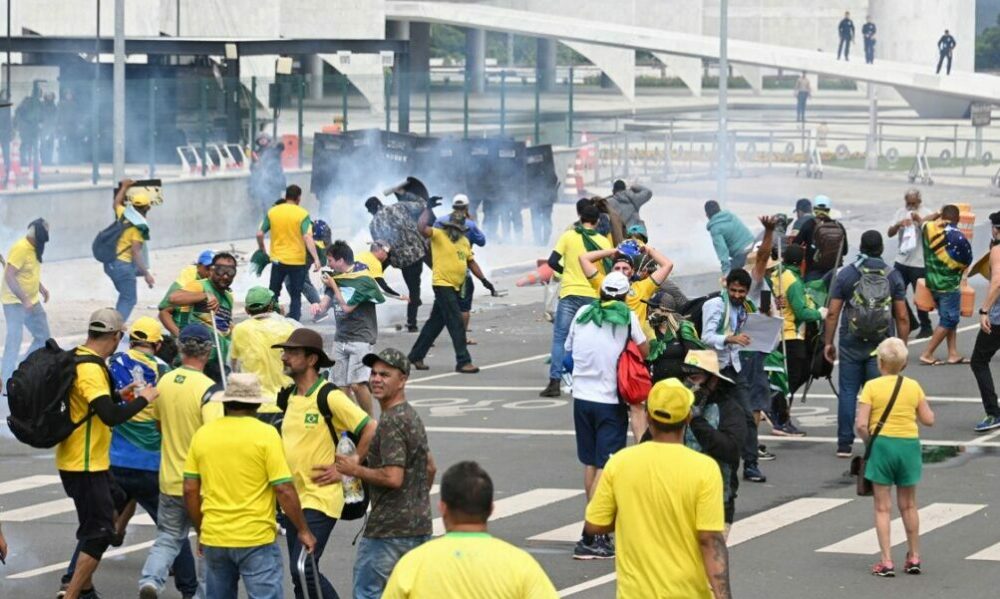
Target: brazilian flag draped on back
<point x="947" y="253"/>
<point x="358" y="286"/>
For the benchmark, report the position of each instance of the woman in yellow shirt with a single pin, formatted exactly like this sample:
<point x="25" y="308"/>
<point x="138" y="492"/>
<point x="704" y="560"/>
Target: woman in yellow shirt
<point x="895" y="458"/>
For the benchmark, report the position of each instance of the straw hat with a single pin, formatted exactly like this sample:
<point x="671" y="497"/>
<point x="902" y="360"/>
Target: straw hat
<point x="243" y="387"/>
<point x="706" y="361"/>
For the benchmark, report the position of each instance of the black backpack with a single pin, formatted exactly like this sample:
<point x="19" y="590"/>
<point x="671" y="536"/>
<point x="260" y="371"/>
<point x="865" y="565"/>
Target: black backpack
<point x="869" y="312"/>
<point x="828" y="239"/>
<point x="352" y="511"/>
<point x="693" y="309"/>
<point x="38" y="395"/>
<point x="105" y="245"/>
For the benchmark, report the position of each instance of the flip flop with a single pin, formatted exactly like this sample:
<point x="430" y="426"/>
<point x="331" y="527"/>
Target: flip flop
<point x="960" y="361"/>
<point x="924" y="362"/>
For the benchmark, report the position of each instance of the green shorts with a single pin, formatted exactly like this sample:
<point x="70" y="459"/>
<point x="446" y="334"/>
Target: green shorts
<point x="894" y="461"/>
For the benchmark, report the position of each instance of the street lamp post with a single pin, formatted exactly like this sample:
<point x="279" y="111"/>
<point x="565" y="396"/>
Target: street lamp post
<point x="723" y="140"/>
<point x="118" y="101"/>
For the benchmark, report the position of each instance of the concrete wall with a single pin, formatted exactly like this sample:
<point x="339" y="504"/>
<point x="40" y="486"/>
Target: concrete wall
<point x="196" y="210"/>
<point x="918" y="24"/>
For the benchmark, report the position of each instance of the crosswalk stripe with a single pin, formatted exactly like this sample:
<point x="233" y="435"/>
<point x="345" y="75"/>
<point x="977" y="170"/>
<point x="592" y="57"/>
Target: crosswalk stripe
<point x="564" y="534"/>
<point x="991" y="553"/>
<point x="28" y="483"/>
<point x="38" y="511"/>
<point x="932" y="517"/>
<point x="63" y="565"/>
<point x="771" y="520"/>
<point x="520" y="503"/>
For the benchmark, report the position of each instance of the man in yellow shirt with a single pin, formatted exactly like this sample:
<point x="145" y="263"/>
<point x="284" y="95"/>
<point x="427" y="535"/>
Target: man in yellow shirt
<point x="291" y="237"/>
<point x="575" y="291"/>
<point x="180" y="410"/>
<point x="664" y="503"/>
<point x="132" y="258"/>
<point x="316" y="414"/>
<point x="83" y="458"/>
<point x="174" y="318"/>
<point x="234" y="471"/>
<point x="467" y="561"/>
<point x="375" y="259"/>
<point x="20" y="291"/>
<point x="451" y="256"/>
<point x="252" y="339"/>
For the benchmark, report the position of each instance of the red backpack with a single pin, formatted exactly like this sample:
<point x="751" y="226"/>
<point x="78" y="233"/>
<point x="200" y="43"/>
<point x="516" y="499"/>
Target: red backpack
<point x="634" y="381"/>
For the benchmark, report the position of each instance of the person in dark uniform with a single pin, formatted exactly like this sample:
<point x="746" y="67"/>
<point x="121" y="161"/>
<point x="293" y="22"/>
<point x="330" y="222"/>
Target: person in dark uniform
<point x="846" y="30"/>
<point x="946" y="45"/>
<point x="868" y="31"/>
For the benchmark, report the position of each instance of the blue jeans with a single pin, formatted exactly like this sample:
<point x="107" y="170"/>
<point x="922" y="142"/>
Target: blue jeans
<point x="17" y="319"/>
<point x="375" y="560"/>
<point x="565" y="312"/>
<point x="294" y="278"/>
<point x="122" y="274"/>
<point x="172" y="528"/>
<point x="259" y="567"/>
<point x="949" y="305"/>
<point x="321" y="526"/>
<point x="853" y="374"/>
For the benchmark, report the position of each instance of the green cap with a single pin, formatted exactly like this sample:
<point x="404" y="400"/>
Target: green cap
<point x="259" y="297"/>
<point x="392" y="357"/>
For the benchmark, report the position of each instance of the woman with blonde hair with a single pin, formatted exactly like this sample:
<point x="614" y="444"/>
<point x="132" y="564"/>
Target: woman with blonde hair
<point x="895" y="456"/>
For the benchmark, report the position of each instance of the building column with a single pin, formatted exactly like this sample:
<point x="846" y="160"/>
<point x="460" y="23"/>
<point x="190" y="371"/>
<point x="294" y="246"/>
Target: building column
<point x="545" y="62"/>
<point x="475" y="59"/>
<point x="420" y="54"/>
<point x="316" y="65"/>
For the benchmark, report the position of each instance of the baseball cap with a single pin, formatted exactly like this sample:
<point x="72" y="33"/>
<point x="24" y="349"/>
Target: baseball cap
<point x="259" y="297"/>
<point x="460" y="201"/>
<point x="195" y="332"/>
<point x="637" y="230"/>
<point x="663" y="301"/>
<point x="669" y="401"/>
<point x="146" y="329"/>
<point x="822" y="202"/>
<point x="205" y="258"/>
<point x="615" y="284"/>
<point x="106" y="320"/>
<point x="392" y="357"/>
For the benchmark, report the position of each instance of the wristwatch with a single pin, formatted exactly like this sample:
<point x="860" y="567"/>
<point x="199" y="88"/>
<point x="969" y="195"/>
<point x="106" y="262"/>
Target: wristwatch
<point x="984" y="312"/>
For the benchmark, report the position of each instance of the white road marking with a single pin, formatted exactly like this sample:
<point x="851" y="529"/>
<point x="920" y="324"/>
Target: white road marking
<point x="984" y="439"/>
<point x="991" y="553"/>
<point x="564" y="534"/>
<point x="63" y="565"/>
<point x="434" y="377"/>
<point x="38" y="511"/>
<point x="28" y="483"/>
<point x="520" y="503"/>
<point x="786" y="514"/>
<point x="932" y="517"/>
<point x="583" y="586"/>
<point x="971" y="327"/>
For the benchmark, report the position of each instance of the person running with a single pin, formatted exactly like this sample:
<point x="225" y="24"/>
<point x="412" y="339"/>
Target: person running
<point x="180" y="410"/>
<point x="131" y="251"/>
<point x="234" y="472"/>
<point x="291" y="240"/>
<point x="375" y="259"/>
<point x="575" y="290"/>
<point x="627" y="201"/>
<point x="174" y="318"/>
<point x="400" y="473"/>
<point x="730" y="237"/>
<point x="907" y="224"/>
<point x="22" y="294"/>
<point x="251" y="350"/>
<point x="988" y="338"/>
<point x="596" y="340"/>
<point x="467" y="561"/>
<point x="316" y="414"/>
<point x="888" y="411"/>
<point x="83" y="458"/>
<point x="947" y="253"/>
<point x="664" y="503"/>
<point x="211" y="302"/>
<point x="451" y="257"/>
<point x="854" y="347"/>
<point x="821" y="237"/>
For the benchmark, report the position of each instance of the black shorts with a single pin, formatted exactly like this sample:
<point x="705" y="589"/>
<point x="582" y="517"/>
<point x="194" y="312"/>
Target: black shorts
<point x="95" y="496"/>
<point x="465" y="296"/>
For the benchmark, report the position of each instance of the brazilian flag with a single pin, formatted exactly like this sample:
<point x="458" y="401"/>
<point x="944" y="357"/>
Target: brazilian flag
<point x="358" y="286"/>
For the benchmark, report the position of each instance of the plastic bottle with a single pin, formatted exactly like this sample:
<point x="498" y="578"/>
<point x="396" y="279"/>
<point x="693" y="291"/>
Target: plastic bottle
<point x="353" y="492"/>
<point x="138" y="377"/>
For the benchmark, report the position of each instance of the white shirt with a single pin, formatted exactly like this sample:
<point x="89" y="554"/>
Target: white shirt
<point x="916" y="256"/>
<point x="595" y="357"/>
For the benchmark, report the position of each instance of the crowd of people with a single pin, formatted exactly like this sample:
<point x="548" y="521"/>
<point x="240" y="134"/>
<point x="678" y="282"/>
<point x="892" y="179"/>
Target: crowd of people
<point x="242" y="429"/>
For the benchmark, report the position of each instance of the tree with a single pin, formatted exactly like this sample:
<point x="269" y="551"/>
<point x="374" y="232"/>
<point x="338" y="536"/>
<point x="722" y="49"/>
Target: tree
<point x="988" y="48"/>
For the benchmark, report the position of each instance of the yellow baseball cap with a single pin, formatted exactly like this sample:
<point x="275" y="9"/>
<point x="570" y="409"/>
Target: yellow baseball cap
<point x="146" y="329"/>
<point x="140" y="199"/>
<point x="669" y="401"/>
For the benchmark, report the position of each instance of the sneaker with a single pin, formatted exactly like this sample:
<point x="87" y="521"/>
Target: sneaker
<point x="419" y="365"/>
<point x="987" y="424"/>
<point x="912" y="566"/>
<point x="148" y="591"/>
<point x="925" y="332"/>
<point x="787" y="430"/>
<point x="552" y="390"/>
<point x="884" y="569"/>
<point x="764" y="455"/>
<point x="753" y="474"/>
<point x="62" y="590"/>
<point x="844" y="451"/>
<point x="412" y="328"/>
<point x="606" y="542"/>
<point x="598" y="550"/>
<point x="467" y="369"/>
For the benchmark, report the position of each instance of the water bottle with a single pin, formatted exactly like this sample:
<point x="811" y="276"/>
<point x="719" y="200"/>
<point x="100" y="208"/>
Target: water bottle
<point x="139" y="377"/>
<point x="352" y="486"/>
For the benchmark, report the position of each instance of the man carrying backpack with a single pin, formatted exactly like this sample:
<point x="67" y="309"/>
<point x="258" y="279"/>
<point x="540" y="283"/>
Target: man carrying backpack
<point x="131" y="258"/>
<point x="22" y="295"/>
<point x="824" y="239"/>
<point x="83" y="458"/>
<point x="947" y="253"/>
<point x="872" y="298"/>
